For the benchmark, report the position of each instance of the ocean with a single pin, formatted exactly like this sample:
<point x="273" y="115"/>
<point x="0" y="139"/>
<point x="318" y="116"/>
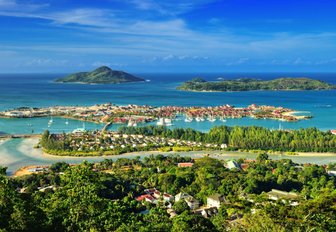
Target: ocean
<point x="39" y="90"/>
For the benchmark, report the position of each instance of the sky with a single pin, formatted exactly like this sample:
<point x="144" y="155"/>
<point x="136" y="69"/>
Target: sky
<point x="168" y="36"/>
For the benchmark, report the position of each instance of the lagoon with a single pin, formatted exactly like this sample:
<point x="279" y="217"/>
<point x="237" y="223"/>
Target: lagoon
<point x="17" y="153"/>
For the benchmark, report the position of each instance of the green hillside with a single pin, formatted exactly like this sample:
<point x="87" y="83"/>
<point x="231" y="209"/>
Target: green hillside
<point x="247" y="84"/>
<point x="102" y="75"/>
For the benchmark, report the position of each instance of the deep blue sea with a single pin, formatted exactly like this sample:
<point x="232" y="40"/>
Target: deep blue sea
<point x="38" y="90"/>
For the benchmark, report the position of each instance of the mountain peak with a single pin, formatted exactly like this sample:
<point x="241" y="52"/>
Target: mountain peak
<point x="103" y="69"/>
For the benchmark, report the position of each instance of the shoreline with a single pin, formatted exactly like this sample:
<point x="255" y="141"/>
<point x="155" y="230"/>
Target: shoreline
<point x="24" y="170"/>
<point x="25" y="154"/>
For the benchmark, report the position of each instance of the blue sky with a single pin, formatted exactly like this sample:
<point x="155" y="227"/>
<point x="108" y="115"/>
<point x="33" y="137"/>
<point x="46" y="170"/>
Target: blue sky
<point x="168" y="36"/>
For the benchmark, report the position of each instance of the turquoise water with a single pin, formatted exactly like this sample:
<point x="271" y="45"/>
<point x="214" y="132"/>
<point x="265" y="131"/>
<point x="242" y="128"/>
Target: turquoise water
<point x="38" y="90"/>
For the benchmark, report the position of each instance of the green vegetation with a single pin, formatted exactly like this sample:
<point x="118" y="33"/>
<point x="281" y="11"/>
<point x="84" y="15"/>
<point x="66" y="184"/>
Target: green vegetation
<point x="247" y="84"/>
<point x="101" y="196"/>
<point x="250" y="138"/>
<point x="102" y="75"/>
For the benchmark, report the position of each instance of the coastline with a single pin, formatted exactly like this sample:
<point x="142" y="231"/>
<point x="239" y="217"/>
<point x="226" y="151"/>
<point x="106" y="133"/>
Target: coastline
<point x="25" y="170"/>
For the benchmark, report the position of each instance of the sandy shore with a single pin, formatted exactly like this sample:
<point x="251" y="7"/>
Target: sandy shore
<point x="316" y="154"/>
<point x="2" y="141"/>
<point x="25" y="170"/>
<point x="293" y="114"/>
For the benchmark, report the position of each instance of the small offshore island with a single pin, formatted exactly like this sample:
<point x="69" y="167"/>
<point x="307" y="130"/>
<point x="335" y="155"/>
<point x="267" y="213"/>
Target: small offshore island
<point x="101" y="75"/>
<point x="249" y="84"/>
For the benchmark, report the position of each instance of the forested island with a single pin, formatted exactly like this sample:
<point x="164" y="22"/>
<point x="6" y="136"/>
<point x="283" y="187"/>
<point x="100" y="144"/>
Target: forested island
<point x="101" y="75"/>
<point x="249" y="84"/>
<point x="173" y="193"/>
<point x="153" y="138"/>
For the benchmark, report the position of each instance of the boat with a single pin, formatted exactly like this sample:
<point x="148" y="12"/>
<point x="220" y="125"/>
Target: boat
<point x="211" y="119"/>
<point x="51" y="120"/>
<point x="164" y="122"/>
<point x="188" y="119"/>
<point x="79" y="130"/>
<point x="198" y="119"/>
<point x="66" y="122"/>
<point x="131" y="123"/>
<point x="222" y="119"/>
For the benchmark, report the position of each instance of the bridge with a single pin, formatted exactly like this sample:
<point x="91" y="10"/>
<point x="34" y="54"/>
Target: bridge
<point x="106" y="126"/>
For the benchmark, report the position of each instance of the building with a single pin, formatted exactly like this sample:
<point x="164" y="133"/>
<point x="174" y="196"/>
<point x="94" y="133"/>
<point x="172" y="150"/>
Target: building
<point x="192" y="203"/>
<point x="168" y="197"/>
<point x="331" y="172"/>
<point x="333" y="132"/>
<point x="232" y="164"/>
<point x="207" y="212"/>
<point x="181" y="196"/>
<point x="291" y="197"/>
<point x="190" y="200"/>
<point x="184" y="165"/>
<point x="215" y="200"/>
<point x="146" y="197"/>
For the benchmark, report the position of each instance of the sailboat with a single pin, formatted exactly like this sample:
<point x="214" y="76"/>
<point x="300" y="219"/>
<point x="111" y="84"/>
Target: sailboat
<point x="67" y="122"/>
<point x="223" y="119"/>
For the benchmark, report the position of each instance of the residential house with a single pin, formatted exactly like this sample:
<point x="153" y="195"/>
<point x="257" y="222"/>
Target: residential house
<point x="232" y="164"/>
<point x="192" y="203"/>
<point x="207" y="212"/>
<point x="184" y="165"/>
<point x="215" y="200"/>
<point x="291" y="197"/>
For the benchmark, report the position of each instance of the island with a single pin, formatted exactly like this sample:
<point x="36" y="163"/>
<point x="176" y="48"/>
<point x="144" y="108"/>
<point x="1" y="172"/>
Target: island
<point x="101" y="75"/>
<point x="249" y="84"/>
<point x="164" y="115"/>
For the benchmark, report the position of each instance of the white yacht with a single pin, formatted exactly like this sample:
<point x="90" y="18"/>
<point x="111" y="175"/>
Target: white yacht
<point x="131" y="123"/>
<point x="212" y="119"/>
<point x="187" y="119"/>
<point x="164" y="122"/>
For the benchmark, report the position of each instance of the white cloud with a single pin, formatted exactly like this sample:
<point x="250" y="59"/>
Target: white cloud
<point x="171" y="7"/>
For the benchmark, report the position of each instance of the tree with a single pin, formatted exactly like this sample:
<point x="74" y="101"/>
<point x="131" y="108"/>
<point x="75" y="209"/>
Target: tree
<point x="181" y="206"/>
<point x="262" y="157"/>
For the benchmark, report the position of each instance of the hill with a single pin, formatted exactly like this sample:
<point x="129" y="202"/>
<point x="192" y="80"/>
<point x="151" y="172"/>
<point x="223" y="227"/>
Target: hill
<point x="102" y="75"/>
<point x="248" y="84"/>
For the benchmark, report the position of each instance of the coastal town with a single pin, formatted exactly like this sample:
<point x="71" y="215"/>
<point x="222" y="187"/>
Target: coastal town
<point x="132" y="115"/>
<point x="112" y="143"/>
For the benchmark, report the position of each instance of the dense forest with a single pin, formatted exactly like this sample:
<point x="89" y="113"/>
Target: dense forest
<point x="101" y="196"/>
<point x="250" y="138"/>
<point x="248" y="84"/>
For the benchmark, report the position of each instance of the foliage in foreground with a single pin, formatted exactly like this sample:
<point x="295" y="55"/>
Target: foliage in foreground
<point x="100" y="197"/>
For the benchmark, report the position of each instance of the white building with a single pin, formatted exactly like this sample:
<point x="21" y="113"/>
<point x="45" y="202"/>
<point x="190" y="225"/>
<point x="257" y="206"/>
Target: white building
<point x="215" y="200"/>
